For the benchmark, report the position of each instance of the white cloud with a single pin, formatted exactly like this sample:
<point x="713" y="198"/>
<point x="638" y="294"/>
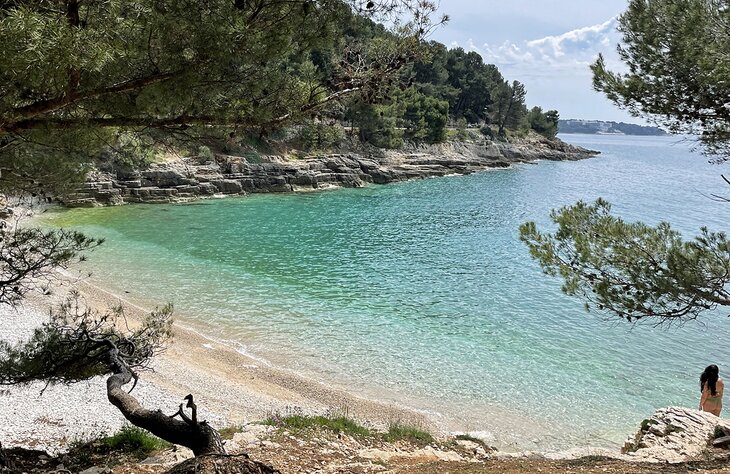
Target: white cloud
<point x="555" y="68"/>
<point x="571" y="50"/>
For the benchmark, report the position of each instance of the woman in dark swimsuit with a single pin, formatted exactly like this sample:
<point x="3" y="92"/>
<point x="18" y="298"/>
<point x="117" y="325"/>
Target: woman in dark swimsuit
<point x="712" y="387"/>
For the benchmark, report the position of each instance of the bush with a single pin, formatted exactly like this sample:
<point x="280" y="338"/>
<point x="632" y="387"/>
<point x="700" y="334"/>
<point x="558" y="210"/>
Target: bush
<point x="130" y="151"/>
<point x="487" y="132"/>
<point x="205" y="153"/>
<point x="133" y="440"/>
<point x="397" y="432"/>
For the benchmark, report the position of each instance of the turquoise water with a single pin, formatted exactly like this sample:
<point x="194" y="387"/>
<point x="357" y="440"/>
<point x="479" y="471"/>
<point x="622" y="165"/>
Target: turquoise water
<point x="421" y="293"/>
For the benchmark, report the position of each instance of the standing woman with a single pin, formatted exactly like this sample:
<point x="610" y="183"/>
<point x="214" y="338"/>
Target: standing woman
<point x="712" y="387"/>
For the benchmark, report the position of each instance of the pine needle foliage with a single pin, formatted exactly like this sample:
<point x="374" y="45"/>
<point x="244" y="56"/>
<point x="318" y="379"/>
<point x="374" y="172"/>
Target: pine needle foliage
<point x="632" y="270"/>
<point x="77" y="342"/>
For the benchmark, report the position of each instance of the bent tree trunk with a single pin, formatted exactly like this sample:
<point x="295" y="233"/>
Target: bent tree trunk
<point x="200" y="437"/>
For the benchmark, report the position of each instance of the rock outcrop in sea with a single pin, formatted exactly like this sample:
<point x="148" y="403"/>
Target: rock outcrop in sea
<point x="193" y="177"/>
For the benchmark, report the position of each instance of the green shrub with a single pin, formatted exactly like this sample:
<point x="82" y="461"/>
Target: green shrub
<point x="487" y="132"/>
<point x="338" y="424"/>
<point x="130" y="151"/>
<point x="205" y="153"/>
<point x="133" y="440"/>
<point x="398" y="432"/>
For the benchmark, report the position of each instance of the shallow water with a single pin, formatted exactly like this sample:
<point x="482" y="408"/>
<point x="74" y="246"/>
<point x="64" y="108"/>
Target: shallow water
<point x="421" y="292"/>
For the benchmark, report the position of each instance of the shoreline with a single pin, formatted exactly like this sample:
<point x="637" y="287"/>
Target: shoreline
<point x="231" y="388"/>
<point x="317" y="391"/>
<point x="191" y="178"/>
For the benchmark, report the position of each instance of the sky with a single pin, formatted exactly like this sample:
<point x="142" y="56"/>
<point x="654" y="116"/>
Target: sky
<point x="547" y="45"/>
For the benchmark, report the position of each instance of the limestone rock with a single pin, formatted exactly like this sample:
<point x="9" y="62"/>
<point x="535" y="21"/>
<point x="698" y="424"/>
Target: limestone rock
<point x="187" y="178"/>
<point x="169" y="457"/>
<point x="675" y="434"/>
<point x="228" y="186"/>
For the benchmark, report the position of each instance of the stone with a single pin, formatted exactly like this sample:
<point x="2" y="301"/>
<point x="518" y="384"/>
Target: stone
<point x="722" y="442"/>
<point x="136" y="183"/>
<point x="228" y="186"/>
<point x="469" y="445"/>
<point x="241" y="440"/>
<point x="96" y="470"/>
<point x="675" y="434"/>
<point x="207" y="189"/>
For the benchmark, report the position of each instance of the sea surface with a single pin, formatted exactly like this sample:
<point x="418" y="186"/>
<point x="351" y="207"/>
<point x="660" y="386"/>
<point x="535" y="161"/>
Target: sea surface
<point x="420" y="293"/>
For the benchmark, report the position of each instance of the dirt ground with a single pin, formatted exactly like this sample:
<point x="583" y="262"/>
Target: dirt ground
<point x="322" y="452"/>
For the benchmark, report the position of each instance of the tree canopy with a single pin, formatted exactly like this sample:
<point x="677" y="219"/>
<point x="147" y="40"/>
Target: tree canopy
<point x="676" y="52"/>
<point x="632" y="270"/>
<point x="73" y="74"/>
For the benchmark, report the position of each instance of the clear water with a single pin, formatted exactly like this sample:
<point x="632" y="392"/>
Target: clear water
<point x="420" y="293"/>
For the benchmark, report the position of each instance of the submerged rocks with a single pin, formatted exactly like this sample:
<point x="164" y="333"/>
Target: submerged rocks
<point x="189" y="178"/>
<point x="676" y="434"/>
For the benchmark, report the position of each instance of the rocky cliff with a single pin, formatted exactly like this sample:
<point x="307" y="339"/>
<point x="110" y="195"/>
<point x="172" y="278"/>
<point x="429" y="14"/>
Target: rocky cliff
<point x="194" y="177"/>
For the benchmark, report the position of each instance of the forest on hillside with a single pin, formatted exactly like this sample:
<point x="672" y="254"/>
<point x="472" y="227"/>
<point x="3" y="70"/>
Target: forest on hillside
<point x="443" y="88"/>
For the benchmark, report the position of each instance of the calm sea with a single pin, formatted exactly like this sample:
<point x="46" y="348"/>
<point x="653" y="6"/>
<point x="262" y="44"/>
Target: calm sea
<point x="421" y="294"/>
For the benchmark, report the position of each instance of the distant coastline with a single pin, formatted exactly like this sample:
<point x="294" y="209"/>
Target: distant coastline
<point x="601" y="127"/>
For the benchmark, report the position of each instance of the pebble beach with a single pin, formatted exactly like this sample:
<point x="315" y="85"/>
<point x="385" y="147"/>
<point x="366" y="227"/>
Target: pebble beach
<point x="230" y="388"/>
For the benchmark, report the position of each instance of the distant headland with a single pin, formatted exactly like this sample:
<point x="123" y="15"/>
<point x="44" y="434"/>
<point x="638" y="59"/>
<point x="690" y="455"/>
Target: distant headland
<point x="600" y="127"/>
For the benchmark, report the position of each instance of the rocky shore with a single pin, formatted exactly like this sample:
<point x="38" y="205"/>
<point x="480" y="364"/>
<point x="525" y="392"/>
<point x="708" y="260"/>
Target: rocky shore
<point x="194" y="177"/>
<point x="293" y="450"/>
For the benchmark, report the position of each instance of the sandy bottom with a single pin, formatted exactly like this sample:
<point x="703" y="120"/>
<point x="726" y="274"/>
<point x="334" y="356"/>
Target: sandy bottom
<point x="230" y="388"/>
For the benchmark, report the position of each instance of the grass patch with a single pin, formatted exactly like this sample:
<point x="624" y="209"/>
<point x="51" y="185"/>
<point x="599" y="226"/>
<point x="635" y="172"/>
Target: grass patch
<point x="229" y="431"/>
<point x="133" y="440"/>
<point x="338" y="424"/>
<point x="398" y="432"/>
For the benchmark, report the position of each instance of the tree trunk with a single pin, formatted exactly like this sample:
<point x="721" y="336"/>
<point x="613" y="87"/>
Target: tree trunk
<point x="200" y="437"/>
<point x="220" y="464"/>
<point x="4" y="461"/>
